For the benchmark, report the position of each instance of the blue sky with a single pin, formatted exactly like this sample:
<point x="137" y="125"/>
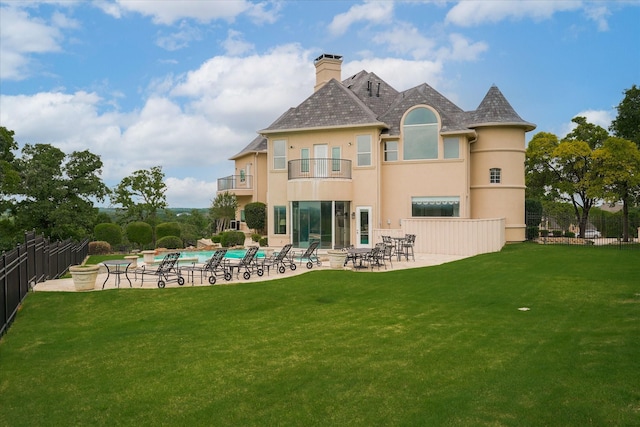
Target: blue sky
<point x="186" y="84"/>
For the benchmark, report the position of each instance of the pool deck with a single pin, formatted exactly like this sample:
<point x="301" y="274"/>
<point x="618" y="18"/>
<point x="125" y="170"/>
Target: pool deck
<point x="66" y="285"/>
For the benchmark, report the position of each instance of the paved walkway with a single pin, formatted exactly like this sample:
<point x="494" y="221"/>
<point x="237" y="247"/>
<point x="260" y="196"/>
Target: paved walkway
<point x="66" y="285"/>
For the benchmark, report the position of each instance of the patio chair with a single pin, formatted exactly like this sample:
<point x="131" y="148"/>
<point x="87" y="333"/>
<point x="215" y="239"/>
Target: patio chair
<point x="214" y="267"/>
<point x="248" y="262"/>
<point x="280" y="260"/>
<point x="407" y="246"/>
<point x="375" y="257"/>
<point x="388" y="241"/>
<point x="166" y="271"/>
<point x="311" y="255"/>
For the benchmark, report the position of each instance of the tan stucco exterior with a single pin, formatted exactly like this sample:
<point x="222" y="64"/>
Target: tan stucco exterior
<point x="388" y="187"/>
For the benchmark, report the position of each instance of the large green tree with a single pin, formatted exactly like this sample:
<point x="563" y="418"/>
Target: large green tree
<point x="56" y="191"/>
<point x="9" y="176"/>
<point x="564" y="170"/>
<point x="617" y="175"/>
<point x="141" y="195"/>
<point x="627" y="124"/>
<point x="223" y="210"/>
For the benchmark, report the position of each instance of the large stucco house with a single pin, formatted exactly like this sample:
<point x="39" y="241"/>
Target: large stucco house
<point x="358" y="159"/>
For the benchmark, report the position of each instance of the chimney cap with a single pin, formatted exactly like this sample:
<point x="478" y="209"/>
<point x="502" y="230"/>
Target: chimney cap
<point x="328" y="56"/>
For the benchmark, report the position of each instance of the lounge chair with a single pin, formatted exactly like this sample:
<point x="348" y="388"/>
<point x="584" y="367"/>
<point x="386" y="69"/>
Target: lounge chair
<point x="165" y="272"/>
<point x="311" y="255"/>
<point x="214" y="267"/>
<point x="280" y="260"/>
<point x="248" y="262"/>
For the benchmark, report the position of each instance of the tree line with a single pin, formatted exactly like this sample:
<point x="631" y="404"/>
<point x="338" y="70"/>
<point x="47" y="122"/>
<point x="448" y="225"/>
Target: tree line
<point x="589" y="165"/>
<point x="53" y="193"/>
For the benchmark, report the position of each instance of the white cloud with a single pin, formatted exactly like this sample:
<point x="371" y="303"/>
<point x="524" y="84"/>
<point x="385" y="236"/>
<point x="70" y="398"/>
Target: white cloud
<point x="400" y="73"/>
<point x="472" y="13"/>
<point x="405" y="39"/>
<point x="235" y="45"/>
<point x="601" y="118"/>
<point x="461" y="49"/>
<point x="370" y="11"/>
<point x="179" y="39"/>
<point x="168" y="12"/>
<point x="21" y="36"/>
<point x="598" y="13"/>
<point x="181" y="191"/>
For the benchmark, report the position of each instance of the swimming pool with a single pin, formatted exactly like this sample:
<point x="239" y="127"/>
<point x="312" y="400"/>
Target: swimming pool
<point x="203" y="256"/>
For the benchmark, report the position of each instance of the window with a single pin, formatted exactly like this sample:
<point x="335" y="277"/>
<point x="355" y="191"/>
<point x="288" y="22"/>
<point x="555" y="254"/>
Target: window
<point x="451" y="148"/>
<point x="391" y="151"/>
<point x="304" y="164"/>
<point x="280" y="154"/>
<point x="242" y="217"/>
<point x="435" y="206"/>
<point x="335" y="155"/>
<point x="420" y="135"/>
<point x="243" y="176"/>
<point x="495" y="175"/>
<point x="279" y="220"/>
<point x="363" y="143"/>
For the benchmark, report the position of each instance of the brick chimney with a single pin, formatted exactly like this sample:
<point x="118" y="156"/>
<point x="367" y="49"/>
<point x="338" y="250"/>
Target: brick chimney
<point x="327" y="67"/>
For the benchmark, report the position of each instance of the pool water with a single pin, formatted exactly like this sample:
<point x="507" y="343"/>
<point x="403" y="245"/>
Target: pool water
<point x="203" y="256"/>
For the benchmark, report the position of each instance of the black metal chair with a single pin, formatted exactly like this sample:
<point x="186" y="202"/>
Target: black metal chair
<point x="213" y="268"/>
<point x="165" y="272"/>
<point x="311" y="255"/>
<point x="248" y="262"/>
<point x="280" y="260"/>
<point x="407" y="246"/>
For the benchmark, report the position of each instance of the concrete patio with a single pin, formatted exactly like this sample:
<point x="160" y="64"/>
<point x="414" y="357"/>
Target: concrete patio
<point x="66" y="285"/>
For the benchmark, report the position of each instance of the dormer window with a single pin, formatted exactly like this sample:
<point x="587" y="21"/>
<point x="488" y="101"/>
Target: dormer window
<point x="420" y="135"/>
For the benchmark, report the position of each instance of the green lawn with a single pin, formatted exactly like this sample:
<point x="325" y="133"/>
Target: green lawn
<point x="443" y="345"/>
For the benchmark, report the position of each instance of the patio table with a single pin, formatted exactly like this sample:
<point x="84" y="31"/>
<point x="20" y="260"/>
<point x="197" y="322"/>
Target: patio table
<point x="117" y="267"/>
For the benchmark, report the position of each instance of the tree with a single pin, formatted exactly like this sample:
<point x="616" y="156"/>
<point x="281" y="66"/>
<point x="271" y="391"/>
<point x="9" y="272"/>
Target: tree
<point x="9" y="176"/>
<point x="565" y="169"/>
<point x="256" y="216"/>
<point x="141" y="195"/>
<point x="140" y="233"/>
<point x="56" y="197"/>
<point x="108" y="232"/>
<point x="627" y="124"/>
<point x="223" y="209"/>
<point x="617" y="175"/>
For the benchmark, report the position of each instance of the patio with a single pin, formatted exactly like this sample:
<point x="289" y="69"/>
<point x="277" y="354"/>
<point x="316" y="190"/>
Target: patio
<point x="66" y="285"/>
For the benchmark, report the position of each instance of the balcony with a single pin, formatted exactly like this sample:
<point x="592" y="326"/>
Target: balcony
<point x="241" y="185"/>
<point x="319" y="169"/>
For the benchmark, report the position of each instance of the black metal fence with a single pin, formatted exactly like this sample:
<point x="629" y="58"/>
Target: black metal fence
<point x="562" y="228"/>
<point x="34" y="261"/>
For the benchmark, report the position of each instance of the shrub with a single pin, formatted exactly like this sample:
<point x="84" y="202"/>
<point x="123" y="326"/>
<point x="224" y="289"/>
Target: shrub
<point x="264" y="242"/>
<point x="232" y="238"/>
<point x="557" y="233"/>
<point x="108" y="232"/>
<point x="168" y="229"/>
<point x="99" y="248"/>
<point x="170" y="242"/>
<point x="216" y="238"/>
<point x="544" y="233"/>
<point x="532" y="232"/>
<point x="569" y="234"/>
<point x="255" y="215"/>
<point x="139" y="232"/>
<point x="256" y="237"/>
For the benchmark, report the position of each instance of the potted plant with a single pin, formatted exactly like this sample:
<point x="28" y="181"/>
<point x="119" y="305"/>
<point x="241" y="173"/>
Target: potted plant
<point x="84" y="276"/>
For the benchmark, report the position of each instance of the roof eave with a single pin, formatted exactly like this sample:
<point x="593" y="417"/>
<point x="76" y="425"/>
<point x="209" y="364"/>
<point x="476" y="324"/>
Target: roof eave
<point x="526" y="125"/>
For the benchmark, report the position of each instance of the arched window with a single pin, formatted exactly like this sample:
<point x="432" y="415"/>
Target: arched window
<point x="420" y="135"/>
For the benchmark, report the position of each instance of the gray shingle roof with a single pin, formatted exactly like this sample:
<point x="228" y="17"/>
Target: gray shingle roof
<point x="258" y="145"/>
<point x="366" y="99"/>
<point x="495" y="109"/>
<point x="332" y="105"/>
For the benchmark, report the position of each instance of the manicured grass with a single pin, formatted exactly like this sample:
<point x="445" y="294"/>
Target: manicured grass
<point x="442" y="345"/>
